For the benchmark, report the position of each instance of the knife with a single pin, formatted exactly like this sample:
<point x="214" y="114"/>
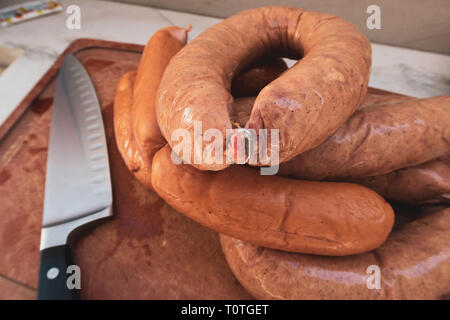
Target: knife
<point x="78" y="184"/>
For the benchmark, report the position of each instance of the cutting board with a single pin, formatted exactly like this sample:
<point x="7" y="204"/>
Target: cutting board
<point x="146" y="251"/>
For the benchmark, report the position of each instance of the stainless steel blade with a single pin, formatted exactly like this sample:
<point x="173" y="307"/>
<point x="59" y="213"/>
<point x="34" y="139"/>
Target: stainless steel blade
<point x="78" y="182"/>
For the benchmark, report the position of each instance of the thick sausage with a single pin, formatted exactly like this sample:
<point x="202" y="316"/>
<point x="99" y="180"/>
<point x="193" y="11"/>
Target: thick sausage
<point x="425" y="184"/>
<point x="307" y="103"/>
<point x="377" y="140"/>
<point x="137" y="133"/>
<point x="123" y="131"/>
<point x="252" y="79"/>
<point x="414" y="264"/>
<point x="324" y="218"/>
<point x="161" y="47"/>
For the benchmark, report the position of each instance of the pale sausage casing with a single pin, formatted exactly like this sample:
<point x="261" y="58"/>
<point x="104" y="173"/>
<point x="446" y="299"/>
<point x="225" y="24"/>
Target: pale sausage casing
<point x="425" y="184"/>
<point x="324" y="218"/>
<point x="161" y="47"/>
<point x="307" y="103"/>
<point x="377" y="140"/>
<point x="414" y="264"/>
<point x="136" y="130"/>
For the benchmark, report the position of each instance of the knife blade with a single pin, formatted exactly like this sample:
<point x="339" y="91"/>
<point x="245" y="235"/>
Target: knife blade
<point x="78" y="184"/>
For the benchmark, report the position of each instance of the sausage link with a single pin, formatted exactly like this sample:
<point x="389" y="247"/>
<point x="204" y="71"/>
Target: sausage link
<point x="137" y="133"/>
<point x="333" y="74"/>
<point x="425" y="184"/>
<point x="414" y="264"/>
<point x="160" y="49"/>
<point x="123" y="131"/>
<point x="324" y="218"/>
<point x="377" y="140"/>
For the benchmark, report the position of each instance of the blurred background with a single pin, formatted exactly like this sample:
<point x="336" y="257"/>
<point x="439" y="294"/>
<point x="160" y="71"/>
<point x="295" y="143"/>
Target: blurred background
<point x="416" y="24"/>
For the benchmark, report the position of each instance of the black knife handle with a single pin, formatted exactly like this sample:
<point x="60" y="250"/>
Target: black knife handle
<point x="53" y="274"/>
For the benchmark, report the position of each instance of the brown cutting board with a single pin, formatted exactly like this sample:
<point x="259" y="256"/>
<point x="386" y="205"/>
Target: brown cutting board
<point x="147" y="251"/>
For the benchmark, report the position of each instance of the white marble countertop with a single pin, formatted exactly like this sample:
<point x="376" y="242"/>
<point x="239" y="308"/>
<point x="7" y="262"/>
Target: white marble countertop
<point x="395" y="69"/>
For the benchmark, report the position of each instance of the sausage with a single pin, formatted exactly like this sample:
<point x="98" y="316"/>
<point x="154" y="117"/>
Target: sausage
<point x="123" y="131"/>
<point x="136" y="130"/>
<point x="252" y="79"/>
<point x="377" y="140"/>
<point x="425" y="184"/>
<point x="333" y="74"/>
<point x="414" y="264"/>
<point x="161" y="47"/>
<point x="323" y="218"/>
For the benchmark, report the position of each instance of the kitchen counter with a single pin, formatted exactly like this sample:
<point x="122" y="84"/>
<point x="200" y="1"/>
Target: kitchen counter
<point x="42" y="40"/>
